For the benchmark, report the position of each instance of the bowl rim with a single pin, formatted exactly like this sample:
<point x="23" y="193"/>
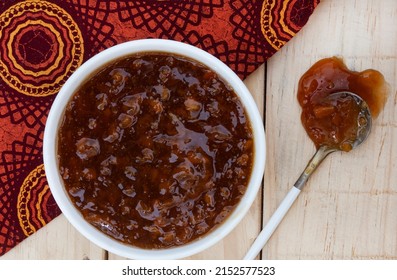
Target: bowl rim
<point x="92" y="66"/>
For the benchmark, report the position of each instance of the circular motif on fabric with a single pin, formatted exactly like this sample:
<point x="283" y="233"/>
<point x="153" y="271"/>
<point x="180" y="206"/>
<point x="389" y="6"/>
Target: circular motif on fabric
<point x="40" y="47"/>
<point x="35" y="204"/>
<point x="281" y="20"/>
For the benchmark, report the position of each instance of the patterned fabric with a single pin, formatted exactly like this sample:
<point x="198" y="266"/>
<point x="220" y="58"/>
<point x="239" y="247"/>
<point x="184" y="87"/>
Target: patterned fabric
<point x="43" y="42"/>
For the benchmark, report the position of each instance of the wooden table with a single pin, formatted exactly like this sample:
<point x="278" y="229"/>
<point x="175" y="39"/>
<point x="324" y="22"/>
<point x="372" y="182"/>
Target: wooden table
<point x="348" y="209"/>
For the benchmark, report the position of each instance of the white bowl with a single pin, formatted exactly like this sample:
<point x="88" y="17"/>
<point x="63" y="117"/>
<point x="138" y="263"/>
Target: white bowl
<point x="51" y="162"/>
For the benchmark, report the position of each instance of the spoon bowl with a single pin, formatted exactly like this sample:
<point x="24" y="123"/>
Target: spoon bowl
<point x="364" y="124"/>
<point x="364" y="120"/>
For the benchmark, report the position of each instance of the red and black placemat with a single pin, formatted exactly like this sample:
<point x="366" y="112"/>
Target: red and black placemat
<point x="43" y="42"/>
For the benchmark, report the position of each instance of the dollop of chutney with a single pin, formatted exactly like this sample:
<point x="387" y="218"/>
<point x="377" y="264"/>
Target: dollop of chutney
<point x="334" y="122"/>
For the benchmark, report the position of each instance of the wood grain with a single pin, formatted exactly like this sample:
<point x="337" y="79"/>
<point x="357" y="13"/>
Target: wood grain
<point x="56" y="241"/>
<point x="347" y="209"/>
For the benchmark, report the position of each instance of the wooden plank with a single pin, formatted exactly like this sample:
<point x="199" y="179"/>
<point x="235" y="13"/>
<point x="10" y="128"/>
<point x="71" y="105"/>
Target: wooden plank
<point x="56" y="241"/>
<point x="347" y="209"/>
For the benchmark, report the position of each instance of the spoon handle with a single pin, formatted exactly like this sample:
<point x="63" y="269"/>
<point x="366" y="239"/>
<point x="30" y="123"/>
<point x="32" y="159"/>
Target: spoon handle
<point x="273" y="223"/>
<point x="287" y="202"/>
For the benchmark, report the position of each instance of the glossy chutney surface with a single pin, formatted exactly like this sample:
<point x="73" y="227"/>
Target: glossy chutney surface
<point x="334" y="122"/>
<point x="155" y="150"/>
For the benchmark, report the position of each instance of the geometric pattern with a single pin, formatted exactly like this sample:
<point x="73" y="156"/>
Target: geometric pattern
<point x="281" y="20"/>
<point x="35" y="202"/>
<point x="31" y="112"/>
<point x="43" y="42"/>
<point x="38" y="54"/>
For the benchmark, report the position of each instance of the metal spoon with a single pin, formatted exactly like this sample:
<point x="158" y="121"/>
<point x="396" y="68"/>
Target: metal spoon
<point x="364" y="122"/>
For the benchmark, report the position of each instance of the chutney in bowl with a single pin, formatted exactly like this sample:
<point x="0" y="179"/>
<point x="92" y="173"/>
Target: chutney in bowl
<point x="154" y="149"/>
